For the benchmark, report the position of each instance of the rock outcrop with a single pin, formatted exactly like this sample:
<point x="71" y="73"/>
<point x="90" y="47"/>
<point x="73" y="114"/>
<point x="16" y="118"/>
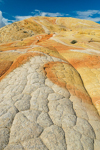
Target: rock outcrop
<point x="49" y="87"/>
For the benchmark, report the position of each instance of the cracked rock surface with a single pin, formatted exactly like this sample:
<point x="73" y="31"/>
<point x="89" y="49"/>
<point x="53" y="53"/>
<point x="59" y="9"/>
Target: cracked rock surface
<point x="50" y="86"/>
<point x="37" y="114"/>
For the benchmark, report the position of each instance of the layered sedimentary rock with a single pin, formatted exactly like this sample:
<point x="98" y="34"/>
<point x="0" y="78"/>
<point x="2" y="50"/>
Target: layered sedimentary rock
<point x="49" y="87"/>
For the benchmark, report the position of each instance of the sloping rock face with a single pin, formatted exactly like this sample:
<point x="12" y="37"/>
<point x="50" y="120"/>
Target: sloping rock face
<point x="49" y="87"/>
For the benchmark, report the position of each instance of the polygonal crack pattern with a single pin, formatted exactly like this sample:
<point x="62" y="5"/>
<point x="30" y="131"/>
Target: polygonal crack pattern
<point x="36" y="114"/>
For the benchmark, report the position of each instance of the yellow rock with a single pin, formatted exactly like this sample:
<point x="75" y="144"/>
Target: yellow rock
<point x="53" y="36"/>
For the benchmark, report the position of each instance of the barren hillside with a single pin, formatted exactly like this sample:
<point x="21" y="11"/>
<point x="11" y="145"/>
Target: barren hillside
<point x="50" y="84"/>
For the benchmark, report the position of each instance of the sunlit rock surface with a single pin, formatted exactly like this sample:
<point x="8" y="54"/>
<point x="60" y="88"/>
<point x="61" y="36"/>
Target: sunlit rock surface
<point x="50" y="87"/>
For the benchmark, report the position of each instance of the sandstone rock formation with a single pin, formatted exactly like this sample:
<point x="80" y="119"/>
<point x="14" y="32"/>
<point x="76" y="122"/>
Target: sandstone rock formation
<point x="49" y="87"/>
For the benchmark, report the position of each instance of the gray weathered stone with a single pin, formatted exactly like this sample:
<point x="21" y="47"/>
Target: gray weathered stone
<point x="54" y="138"/>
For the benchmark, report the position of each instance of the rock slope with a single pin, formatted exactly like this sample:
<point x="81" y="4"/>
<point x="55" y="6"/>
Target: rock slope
<point x="49" y="87"/>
